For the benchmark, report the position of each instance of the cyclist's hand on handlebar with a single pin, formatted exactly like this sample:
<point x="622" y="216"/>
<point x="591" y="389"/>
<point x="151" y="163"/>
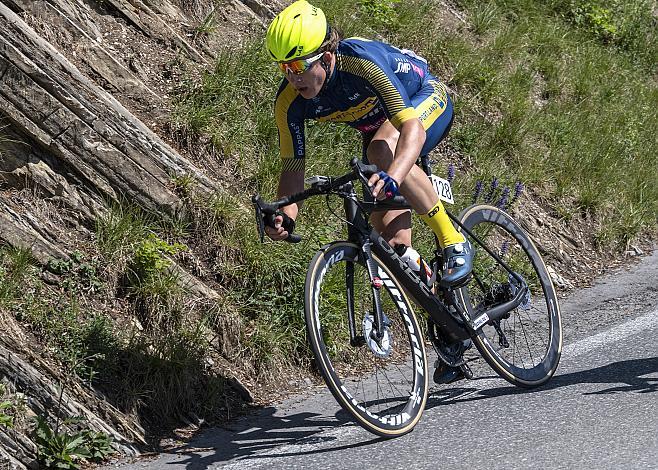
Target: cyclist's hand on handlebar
<point x="277" y="232"/>
<point x="279" y="227"/>
<point x="383" y="186"/>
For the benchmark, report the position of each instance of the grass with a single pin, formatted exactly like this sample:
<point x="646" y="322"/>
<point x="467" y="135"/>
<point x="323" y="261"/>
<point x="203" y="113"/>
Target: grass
<point x="154" y="366"/>
<point x="546" y="93"/>
<point x="555" y="106"/>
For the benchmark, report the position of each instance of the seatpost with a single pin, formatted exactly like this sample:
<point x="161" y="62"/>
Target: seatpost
<point x="425" y="164"/>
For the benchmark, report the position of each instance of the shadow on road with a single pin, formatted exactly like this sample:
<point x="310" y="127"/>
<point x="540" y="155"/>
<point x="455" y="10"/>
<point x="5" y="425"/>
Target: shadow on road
<point x="252" y="438"/>
<point x="256" y="435"/>
<point x="627" y="376"/>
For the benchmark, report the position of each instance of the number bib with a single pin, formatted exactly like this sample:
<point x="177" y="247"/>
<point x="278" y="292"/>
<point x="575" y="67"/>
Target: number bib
<point x="442" y="188"/>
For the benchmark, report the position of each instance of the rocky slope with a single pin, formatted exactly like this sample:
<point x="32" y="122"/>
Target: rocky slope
<point x="83" y="92"/>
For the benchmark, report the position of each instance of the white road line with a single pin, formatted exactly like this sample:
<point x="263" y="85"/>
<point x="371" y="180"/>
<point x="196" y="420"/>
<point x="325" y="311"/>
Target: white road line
<point x="632" y="327"/>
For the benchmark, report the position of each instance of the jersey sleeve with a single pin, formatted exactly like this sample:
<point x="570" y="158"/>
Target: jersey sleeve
<point x="381" y="79"/>
<point x="289" y="116"/>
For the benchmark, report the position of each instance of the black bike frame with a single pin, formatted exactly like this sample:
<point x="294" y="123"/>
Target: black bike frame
<point x="457" y="326"/>
<point x="361" y="234"/>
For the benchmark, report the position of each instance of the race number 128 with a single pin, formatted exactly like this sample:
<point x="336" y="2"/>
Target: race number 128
<point x="443" y="189"/>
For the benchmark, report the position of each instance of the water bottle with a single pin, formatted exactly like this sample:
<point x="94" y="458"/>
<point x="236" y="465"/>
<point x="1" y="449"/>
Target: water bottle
<point x="414" y="261"/>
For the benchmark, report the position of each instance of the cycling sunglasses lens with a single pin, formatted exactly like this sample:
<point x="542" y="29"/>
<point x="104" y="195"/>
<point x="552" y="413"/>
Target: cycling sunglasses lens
<point x="297" y="67"/>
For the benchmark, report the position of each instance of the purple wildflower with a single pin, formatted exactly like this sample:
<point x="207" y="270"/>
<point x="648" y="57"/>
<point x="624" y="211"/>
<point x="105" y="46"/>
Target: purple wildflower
<point x="502" y="202"/>
<point x="504" y="248"/>
<point x="492" y="190"/>
<point x="518" y="190"/>
<point x="451" y="172"/>
<point x="477" y="191"/>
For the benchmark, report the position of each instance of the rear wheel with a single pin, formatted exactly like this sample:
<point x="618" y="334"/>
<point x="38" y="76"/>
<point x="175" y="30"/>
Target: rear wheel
<point x="523" y="347"/>
<point x="381" y="383"/>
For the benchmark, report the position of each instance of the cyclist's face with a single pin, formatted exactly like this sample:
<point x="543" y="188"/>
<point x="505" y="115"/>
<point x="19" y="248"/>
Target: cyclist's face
<point x="309" y="83"/>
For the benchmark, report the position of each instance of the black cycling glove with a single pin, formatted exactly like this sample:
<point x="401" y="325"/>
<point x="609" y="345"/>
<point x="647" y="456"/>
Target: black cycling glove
<point x="288" y="223"/>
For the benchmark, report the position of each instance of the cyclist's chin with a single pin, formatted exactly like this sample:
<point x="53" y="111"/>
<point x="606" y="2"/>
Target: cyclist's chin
<point x="308" y="92"/>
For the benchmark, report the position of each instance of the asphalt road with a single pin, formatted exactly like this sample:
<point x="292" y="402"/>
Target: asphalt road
<point x="599" y="411"/>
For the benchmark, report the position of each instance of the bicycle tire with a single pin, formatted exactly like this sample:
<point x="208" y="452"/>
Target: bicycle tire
<point x="525" y="349"/>
<point x="353" y="372"/>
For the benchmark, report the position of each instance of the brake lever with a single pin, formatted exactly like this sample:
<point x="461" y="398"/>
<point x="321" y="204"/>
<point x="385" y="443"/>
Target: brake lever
<point x="260" y="221"/>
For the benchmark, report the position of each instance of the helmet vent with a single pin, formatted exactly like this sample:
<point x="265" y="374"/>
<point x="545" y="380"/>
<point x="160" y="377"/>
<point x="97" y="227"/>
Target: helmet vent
<point x="291" y="53"/>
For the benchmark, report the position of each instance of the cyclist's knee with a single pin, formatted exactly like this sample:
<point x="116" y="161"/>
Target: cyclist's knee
<point x="380" y="153"/>
<point x="394" y="226"/>
<point x="381" y="148"/>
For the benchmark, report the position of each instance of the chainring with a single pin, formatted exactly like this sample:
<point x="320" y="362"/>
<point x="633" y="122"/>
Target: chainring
<point x="451" y="354"/>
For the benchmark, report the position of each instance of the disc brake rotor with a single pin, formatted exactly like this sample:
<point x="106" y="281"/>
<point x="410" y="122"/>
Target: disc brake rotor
<point x="384" y="347"/>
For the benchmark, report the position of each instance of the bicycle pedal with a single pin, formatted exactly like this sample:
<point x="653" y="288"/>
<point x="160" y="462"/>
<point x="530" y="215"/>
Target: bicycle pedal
<point x="468" y="373"/>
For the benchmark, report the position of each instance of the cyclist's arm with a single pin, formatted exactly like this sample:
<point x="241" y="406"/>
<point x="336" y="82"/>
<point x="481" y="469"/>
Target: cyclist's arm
<point x="374" y="68"/>
<point x="291" y="182"/>
<point x="410" y="143"/>
<point x="289" y="116"/>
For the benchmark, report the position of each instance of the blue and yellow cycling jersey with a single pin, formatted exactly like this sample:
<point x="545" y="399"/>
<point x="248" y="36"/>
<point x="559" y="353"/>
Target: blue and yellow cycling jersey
<point x="371" y="82"/>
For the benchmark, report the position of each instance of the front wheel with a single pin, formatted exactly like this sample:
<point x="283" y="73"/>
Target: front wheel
<point x="382" y="382"/>
<point x="524" y="346"/>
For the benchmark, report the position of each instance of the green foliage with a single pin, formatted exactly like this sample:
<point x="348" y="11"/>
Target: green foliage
<point x="184" y="184"/>
<point x="540" y="100"/>
<point x="80" y="342"/>
<point x="66" y="450"/>
<point x="627" y="24"/>
<point x="233" y="106"/>
<point x="207" y="26"/>
<point x="98" y="444"/>
<point x="484" y="16"/>
<point x="150" y="257"/>
<point x="594" y="17"/>
<point x="55" y="317"/>
<point x="16" y="266"/>
<point x="380" y="13"/>
<point x="120" y="230"/>
<point x="6" y="420"/>
<point x="154" y="289"/>
<point x="79" y="275"/>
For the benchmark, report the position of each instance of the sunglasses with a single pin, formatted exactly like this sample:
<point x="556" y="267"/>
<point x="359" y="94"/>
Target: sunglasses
<point x="298" y="67"/>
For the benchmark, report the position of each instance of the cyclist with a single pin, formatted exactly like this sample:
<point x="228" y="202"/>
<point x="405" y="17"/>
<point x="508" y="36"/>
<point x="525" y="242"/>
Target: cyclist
<point x="389" y="95"/>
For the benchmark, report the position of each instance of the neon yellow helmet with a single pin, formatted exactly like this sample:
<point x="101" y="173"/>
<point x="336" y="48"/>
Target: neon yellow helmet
<point x="298" y="30"/>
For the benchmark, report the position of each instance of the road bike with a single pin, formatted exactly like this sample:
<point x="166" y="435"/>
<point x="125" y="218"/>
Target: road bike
<point x="367" y="341"/>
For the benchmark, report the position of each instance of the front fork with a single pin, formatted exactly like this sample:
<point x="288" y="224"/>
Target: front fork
<point x="376" y="283"/>
<point x="356" y="226"/>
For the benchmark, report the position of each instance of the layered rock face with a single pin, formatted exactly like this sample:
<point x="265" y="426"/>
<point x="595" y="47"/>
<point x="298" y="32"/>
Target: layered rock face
<point x="68" y="146"/>
<point x="69" y="140"/>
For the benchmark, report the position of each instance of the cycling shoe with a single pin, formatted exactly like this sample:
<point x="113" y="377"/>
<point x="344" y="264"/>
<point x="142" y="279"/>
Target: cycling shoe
<point x="457" y="264"/>
<point x="445" y="374"/>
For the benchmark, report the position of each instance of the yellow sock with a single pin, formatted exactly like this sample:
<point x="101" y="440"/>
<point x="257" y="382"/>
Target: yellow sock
<point x="440" y="223"/>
